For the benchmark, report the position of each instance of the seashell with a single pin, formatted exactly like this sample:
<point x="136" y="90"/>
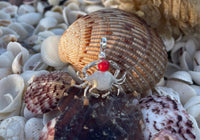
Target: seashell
<point x="57" y="31"/>
<point x="4" y="15"/>
<point x="197" y="89"/>
<point x="93" y="8"/>
<point x="48" y="22"/>
<point x="55" y="15"/>
<point x="161" y="113"/>
<point x="6" y="39"/>
<point x="34" y="63"/>
<point x="19" y="29"/>
<point x="171" y="68"/>
<point x="17" y="64"/>
<point x="70" y="7"/>
<point x="92" y="1"/>
<point x="11" y="10"/>
<point x="32" y="128"/>
<point x="6" y="59"/>
<point x="191" y="46"/>
<point x="48" y="131"/>
<point x="177" y="51"/>
<point x="74" y="15"/>
<point x="116" y="117"/>
<point x="181" y="76"/>
<point x="4" y="22"/>
<point x="161" y="82"/>
<point x="49" y="52"/>
<point x="16" y="48"/>
<point x="80" y="45"/>
<point x="168" y="42"/>
<point x="53" y="2"/>
<point x="5" y="72"/>
<point x="30" y="18"/>
<point x="192" y="107"/>
<point x="12" y="128"/>
<point x="11" y="92"/>
<point x="44" y="92"/>
<point x="28" y="76"/>
<point x="4" y="4"/>
<point x="29" y="28"/>
<point x="195" y="76"/>
<point x="185" y="91"/>
<point x="40" y="7"/>
<point x="24" y="9"/>
<point x="7" y="31"/>
<point x="186" y="62"/>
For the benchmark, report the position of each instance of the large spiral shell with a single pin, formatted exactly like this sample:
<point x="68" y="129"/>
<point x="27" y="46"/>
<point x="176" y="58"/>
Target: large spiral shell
<point x="131" y="43"/>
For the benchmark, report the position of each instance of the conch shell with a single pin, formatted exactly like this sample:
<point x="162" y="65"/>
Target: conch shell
<point x="134" y="46"/>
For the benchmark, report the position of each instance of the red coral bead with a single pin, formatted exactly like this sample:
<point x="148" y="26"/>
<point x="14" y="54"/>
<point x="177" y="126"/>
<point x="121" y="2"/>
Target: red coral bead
<point x="103" y="66"/>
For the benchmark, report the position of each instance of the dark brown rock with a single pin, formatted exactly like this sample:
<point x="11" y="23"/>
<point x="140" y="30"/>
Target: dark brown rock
<point x="116" y="117"/>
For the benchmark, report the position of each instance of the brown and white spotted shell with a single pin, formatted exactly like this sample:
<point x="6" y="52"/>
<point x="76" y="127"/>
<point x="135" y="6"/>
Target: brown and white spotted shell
<point x="45" y="91"/>
<point x="131" y="43"/>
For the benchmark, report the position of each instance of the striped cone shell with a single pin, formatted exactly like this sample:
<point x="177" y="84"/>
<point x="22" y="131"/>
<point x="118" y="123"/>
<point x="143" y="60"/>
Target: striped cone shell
<point x="45" y="91"/>
<point x="131" y="43"/>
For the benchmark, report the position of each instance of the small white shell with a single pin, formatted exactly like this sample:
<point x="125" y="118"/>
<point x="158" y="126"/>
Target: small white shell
<point x="48" y="22"/>
<point x="74" y="15"/>
<point x="49" y="52"/>
<point x="6" y="59"/>
<point x="30" y="18"/>
<point x="32" y="128"/>
<point x="195" y="76"/>
<point x="17" y="64"/>
<point x="55" y="15"/>
<point x="34" y="63"/>
<point x="11" y="10"/>
<point x="11" y="92"/>
<point x="197" y="89"/>
<point x="16" y="48"/>
<point x="4" y="15"/>
<point x="92" y="1"/>
<point x="171" y="68"/>
<point x="53" y="2"/>
<point x="93" y="8"/>
<point x="4" y="72"/>
<point x="186" y="61"/>
<point x="19" y="29"/>
<point x="4" y="4"/>
<point x="192" y="106"/>
<point x="12" y="128"/>
<point x="175" y="53"/>
<point x="168" y="42"/>
<point x="185" y="91"/>
<point x="24" y="8"/>
<point x="181" y="76"/>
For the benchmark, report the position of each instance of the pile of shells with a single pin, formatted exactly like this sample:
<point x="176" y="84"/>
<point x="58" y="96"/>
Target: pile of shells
<point x="38" y="102"/>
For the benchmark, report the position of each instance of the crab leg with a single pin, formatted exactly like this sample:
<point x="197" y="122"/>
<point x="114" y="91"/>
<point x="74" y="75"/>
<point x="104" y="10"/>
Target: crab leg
<point x="92" y="64"/>
<point x="117" y="71"/>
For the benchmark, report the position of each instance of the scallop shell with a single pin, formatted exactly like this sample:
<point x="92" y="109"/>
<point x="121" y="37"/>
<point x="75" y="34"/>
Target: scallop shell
<point x="161" y="113"/>
<point x="130" y="42"/>
<point x="44" y="92"/>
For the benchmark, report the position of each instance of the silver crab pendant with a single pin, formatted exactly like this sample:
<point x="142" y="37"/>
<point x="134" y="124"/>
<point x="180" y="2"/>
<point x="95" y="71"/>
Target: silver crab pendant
<point x="101" y="80"/>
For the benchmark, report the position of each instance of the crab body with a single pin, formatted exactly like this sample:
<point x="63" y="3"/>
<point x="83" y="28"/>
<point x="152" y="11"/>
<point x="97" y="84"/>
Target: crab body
<point x="101" y="80"/>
